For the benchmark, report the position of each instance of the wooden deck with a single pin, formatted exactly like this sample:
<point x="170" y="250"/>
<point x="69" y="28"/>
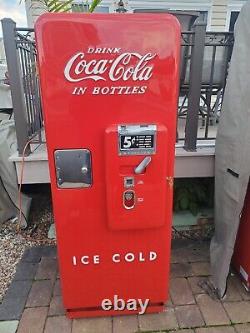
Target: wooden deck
<point x="187" y="164"/>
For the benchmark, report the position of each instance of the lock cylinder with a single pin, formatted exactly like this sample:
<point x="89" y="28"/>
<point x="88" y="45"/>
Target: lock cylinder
<point x="129" y="199"/>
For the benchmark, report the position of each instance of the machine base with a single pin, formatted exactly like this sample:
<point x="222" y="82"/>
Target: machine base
<point x="243" y="275"/>
<point x="99" y="312"/>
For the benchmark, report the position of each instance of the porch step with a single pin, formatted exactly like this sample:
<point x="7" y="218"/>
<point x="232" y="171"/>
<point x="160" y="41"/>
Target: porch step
<point x="187" y="164"/>
<point x="35" y="170"/>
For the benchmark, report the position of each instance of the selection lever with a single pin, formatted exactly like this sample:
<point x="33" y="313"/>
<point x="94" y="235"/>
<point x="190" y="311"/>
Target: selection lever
<point x="142" y="166"/>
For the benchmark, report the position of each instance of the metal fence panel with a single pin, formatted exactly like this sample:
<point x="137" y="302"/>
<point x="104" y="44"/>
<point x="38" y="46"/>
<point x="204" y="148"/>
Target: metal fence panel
<point x="205" y="58"/>
<point x="21" y="57"/>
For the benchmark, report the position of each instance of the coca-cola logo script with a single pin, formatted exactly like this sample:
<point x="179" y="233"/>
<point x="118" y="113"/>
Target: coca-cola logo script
<point x="123" y="67"/>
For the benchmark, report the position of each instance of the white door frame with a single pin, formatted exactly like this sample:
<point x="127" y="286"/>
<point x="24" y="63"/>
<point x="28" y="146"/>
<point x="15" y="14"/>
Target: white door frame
<point x="233" y="7"/>
<point x="206" y="7"/>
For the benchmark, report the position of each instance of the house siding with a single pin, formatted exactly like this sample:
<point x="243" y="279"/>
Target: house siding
<point x="218" y="10"/>
<point x="33" y="11"/>
<point x="219" y="15"/>
<point x="200" y="5"/>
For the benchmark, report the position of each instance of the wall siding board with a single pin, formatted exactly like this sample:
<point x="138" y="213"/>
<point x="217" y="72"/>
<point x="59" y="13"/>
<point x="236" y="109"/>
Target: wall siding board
<point x="218" y="16"/>
<point x="200" y="5"/>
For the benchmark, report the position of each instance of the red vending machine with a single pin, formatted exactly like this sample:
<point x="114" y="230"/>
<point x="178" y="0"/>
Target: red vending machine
<point x="109" y="86"/>
<point x="241" y="257"/>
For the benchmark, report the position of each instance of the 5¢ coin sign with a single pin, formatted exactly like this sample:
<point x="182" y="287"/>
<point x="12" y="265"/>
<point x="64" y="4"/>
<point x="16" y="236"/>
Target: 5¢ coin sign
<point x="136" y="142"/>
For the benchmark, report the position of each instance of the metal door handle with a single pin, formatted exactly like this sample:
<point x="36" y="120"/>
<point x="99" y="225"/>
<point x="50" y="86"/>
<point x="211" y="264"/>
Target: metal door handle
<point x="142" y="166"/>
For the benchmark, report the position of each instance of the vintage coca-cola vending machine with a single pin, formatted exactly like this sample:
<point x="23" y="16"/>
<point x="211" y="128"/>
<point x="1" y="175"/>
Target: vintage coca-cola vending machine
<point x="109" y="86"/>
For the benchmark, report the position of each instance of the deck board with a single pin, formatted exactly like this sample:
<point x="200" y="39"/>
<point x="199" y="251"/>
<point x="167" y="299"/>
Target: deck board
<point x="187" y="164"/>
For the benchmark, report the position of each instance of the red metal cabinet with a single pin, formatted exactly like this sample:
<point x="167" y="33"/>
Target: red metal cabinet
<point x="241" y="257"/>
<point x="109" y="86"/>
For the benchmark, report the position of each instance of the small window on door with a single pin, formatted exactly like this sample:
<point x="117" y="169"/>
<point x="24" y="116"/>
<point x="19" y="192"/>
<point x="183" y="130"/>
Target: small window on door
<point x="233" y="19"/>
<point x="79" y="7"/>
<point x="83" y="8"/>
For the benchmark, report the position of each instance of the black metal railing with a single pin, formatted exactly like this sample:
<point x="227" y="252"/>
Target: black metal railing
<point x="205" y="58"/>
<point x="21" y="56"/>
<point x="28" y="60"/>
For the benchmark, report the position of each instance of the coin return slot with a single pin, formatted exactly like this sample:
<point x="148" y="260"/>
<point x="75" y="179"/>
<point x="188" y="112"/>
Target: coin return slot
<point x="129" y="199"/>
<point x="129" y="182"/>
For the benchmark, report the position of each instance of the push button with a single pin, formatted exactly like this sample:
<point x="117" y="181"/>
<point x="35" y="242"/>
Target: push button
<point x="129" y="199"/>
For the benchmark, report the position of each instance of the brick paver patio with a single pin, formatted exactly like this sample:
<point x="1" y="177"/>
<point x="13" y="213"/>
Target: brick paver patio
<point x="33" y="301"/>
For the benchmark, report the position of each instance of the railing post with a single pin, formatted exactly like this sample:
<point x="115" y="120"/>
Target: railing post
<point x="16" y="84"/>
<point x="196" y="66"/>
